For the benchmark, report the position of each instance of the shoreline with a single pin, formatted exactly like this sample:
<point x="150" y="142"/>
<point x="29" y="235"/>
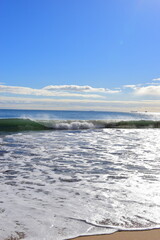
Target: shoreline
<point x="152" y="234"/>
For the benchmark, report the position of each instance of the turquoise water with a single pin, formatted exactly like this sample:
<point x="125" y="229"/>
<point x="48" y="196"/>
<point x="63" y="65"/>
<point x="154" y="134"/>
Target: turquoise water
<point x="82" y="178"/>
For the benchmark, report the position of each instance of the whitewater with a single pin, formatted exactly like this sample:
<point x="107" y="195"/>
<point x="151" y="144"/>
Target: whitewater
<point x="66" y="174"/>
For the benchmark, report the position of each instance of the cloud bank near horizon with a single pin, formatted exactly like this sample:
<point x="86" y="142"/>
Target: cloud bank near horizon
<point x="58" y="91"/>
<point x="75" y="97"/>
<point x="83" y="104"/>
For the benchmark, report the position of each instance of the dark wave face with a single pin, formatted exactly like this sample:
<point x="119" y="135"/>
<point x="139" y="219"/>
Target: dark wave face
<point x="16" y="125"/>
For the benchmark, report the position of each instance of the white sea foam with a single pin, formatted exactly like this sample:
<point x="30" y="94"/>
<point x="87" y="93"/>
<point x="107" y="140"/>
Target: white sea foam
<point x="69" y="125"/>
<point x="70" y="183"/>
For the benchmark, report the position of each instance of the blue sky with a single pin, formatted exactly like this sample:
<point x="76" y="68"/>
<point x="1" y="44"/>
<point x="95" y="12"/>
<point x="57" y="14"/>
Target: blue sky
<point x="80" y="54"/>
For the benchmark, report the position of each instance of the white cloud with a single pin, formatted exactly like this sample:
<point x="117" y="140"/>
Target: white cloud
<point x="44" y="92"/>
<point x="59" y="91"/>
<point x="130" y="86"/>
<point x="156" y="79"/>
<point x="77" y="88"/>
<point x="148" y="91"/>
<point x="152" y="83"/>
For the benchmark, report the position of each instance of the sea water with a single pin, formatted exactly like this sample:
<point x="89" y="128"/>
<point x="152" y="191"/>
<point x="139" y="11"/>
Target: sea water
<point x="77" y="177"/>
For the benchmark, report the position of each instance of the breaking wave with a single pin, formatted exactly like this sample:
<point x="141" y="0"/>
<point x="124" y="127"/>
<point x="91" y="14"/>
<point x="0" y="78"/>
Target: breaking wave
<point x="18" y="124"/>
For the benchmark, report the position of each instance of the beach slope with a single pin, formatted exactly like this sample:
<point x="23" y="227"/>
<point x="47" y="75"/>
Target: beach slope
<point x="126" y="235"/>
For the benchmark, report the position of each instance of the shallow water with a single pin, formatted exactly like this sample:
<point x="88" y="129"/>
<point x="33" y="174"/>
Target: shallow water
<point x="61" y="184"/>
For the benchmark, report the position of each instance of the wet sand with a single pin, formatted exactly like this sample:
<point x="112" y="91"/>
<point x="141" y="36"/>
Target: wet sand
<point x="126" y="235"/>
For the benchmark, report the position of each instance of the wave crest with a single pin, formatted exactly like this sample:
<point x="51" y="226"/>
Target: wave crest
<point x="69" y="125"/>
<point x="13" y="125"/>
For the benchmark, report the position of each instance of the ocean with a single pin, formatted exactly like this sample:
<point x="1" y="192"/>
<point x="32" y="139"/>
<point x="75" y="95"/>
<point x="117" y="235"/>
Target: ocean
<point x="65" y="174"/>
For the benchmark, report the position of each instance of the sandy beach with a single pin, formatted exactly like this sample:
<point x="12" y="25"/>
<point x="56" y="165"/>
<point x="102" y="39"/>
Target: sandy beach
<point x="126" y="235"/>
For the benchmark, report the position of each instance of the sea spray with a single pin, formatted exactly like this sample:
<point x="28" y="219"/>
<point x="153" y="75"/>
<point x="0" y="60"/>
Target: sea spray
<point x="20" y="124"/>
